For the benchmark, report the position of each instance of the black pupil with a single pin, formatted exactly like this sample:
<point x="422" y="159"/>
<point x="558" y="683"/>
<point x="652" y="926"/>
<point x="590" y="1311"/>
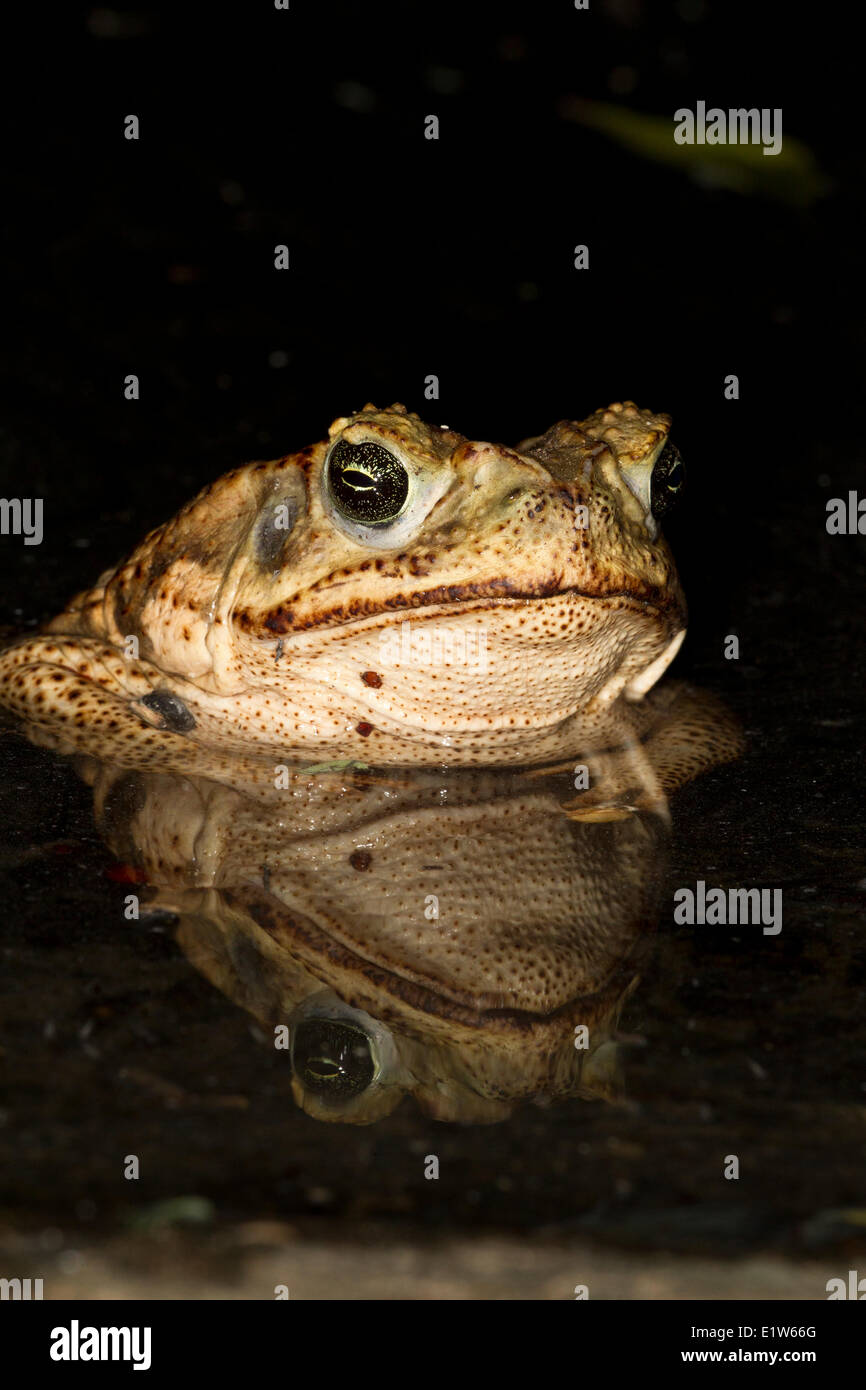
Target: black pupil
<point x="367" y="482"/>
<point x="668" y="477"/>
<point x="332" y="1059"/>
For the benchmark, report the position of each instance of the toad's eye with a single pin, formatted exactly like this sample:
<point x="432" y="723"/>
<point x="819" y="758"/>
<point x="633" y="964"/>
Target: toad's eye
<point x="366" y="482"/>
<point x="669" y="476"/>
<point x="332" y="1058"/>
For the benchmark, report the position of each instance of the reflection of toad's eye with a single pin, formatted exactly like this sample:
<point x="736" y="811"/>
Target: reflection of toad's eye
<point x="366" y="482"/>
<point x="669" y="476"/>
<point x="332" y="1058"/>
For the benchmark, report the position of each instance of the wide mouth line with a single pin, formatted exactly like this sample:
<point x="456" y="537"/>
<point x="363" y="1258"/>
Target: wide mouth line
<point x="385" y="977"/>
<point x="275" y="626"/>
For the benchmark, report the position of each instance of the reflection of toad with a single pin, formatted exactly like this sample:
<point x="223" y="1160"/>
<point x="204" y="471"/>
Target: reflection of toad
<point x="468" y="937"/>
<point x="262" y="617"/>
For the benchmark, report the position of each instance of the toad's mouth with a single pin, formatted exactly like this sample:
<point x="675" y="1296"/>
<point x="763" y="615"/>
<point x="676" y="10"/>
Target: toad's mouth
<point x="453" y="599"/>
<point x="379" y="986"/>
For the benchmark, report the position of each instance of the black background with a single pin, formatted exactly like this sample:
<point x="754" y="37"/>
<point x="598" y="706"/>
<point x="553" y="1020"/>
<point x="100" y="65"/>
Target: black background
<point x="411" y="257"/>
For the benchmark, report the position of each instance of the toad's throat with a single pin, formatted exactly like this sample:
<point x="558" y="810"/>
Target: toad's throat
<point x="349" y="967"/>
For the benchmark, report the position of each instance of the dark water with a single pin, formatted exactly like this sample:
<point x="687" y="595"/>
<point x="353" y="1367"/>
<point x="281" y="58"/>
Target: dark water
<point x="736" y="1042"/>
<point x="155" y="259"/>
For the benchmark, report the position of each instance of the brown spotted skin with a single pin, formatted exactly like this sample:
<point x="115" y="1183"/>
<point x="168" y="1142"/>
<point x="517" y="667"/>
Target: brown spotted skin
<point x="275" y="635"/>
<point x="318" y="889"/>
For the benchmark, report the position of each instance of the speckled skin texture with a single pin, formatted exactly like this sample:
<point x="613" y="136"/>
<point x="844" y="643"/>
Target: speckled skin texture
<point x="273" y="637"/>
<point x="314" y="894"/>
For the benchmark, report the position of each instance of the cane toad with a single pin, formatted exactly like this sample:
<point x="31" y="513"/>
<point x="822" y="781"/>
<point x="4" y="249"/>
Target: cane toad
<point x="397" y="593"/>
